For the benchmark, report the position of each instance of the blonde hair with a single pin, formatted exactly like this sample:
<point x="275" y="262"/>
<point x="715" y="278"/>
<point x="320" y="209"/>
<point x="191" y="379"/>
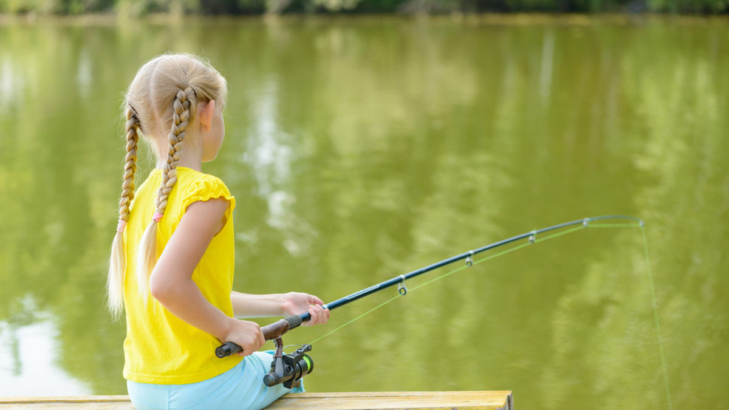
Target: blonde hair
<point x="164" y="93"/>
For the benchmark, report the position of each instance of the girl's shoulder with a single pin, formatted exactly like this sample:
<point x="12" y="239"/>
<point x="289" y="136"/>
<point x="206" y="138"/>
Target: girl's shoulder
<point x="191" y="186"/>
<point x="196" y="186"/>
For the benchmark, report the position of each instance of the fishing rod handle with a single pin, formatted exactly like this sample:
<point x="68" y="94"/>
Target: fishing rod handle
<point x="270" y="332"/>
<point x="278" y="329"/>
<point x="227" y="349"/>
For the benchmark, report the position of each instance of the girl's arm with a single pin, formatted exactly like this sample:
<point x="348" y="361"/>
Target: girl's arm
<point x="245" y="305"/>
<point x="172" y="285"/>
<point x="279" y="304"/>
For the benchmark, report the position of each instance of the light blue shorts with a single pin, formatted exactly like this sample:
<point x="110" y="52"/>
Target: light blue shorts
<point x="239" y="388"/>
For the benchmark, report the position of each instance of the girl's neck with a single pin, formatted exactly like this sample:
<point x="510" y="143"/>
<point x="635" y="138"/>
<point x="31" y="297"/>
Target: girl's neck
<point x="191" y="157"/>
<point x="191" y="163"/>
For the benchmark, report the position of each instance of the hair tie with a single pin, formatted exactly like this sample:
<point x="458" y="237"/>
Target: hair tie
<point x="120" y="226"/>
<point x="157" y="216"/>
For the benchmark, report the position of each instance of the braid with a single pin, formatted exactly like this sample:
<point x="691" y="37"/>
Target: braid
<point x="117" y="267"/>
<point x="180" y="119"/>
<point x="184" y="107"/>
<point x="130" y="165"/>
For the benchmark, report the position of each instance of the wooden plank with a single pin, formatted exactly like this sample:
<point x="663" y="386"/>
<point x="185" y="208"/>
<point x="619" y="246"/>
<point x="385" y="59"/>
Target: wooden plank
<point x="64" y="399"/>
<point x="67" y="403"/>
<point x="471" y="400"/>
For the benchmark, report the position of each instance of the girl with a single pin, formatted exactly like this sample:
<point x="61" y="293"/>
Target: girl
<point x="172" y="258"/>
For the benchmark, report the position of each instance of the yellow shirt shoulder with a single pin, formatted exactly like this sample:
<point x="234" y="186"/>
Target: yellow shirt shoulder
<point x="160" y="348"/>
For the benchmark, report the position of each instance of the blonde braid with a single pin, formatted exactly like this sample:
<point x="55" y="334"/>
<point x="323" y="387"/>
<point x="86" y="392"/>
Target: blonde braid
<point x="184" y="107"/>
<point x="117" y="267"/>
<point x="130" y="166"/>
<point x="180" y="119"/>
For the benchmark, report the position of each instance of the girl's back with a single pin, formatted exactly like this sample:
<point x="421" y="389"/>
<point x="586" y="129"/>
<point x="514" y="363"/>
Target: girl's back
<point x="160" y="347"/>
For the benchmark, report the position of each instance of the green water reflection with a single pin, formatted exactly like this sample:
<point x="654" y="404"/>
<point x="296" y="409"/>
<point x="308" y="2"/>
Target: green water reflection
<point x="360" y="149"/>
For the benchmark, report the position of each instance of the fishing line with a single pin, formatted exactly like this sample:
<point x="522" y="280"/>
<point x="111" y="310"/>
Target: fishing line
<point x="504" y="252"/>
<point x="532" y="240"/>
<point x="655" y="314"/>
<point x="426" y="283"/>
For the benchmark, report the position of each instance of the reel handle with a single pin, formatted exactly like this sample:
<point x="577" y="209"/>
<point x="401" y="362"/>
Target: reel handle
<point x="270" y="332"/>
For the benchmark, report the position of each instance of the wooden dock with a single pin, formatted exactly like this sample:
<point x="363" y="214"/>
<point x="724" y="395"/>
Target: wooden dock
<point x="471" y="400"/>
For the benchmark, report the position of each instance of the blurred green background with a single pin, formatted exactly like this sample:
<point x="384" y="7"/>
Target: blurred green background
<point x="238" y="7"/>
<point x="359" y="149"/>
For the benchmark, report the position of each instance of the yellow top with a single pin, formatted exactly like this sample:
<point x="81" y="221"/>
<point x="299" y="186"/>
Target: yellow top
<point x="161" y="348"/>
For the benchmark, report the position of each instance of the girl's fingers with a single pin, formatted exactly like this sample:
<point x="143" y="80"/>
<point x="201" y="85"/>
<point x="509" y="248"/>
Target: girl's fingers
<point x="322" y="315"/>
<point x="318" y="314"/>
<point x="313" y="314"/>
<point x="315" y="300"/>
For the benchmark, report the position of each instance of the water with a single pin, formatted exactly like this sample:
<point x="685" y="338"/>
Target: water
<point x="360" y="149"/>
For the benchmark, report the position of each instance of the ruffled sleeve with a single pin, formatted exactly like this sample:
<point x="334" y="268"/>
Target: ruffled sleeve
<point x="208" y="187"/>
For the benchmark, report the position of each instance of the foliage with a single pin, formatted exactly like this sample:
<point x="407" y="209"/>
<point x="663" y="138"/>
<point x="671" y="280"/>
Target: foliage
<point x="140" y="7"/>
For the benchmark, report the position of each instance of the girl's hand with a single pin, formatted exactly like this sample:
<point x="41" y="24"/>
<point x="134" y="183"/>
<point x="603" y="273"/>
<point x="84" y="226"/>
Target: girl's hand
<point x="295" y="303"/>
<point x="245" y="334"/>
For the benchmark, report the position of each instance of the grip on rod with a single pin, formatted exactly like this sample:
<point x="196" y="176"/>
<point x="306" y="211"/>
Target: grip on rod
<point x="270" y="332"/>
<point x="227" y="349"/>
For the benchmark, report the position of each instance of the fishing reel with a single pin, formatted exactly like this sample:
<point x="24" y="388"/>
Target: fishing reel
<point x="290" y="368"/>
<point x="287" y="369"/>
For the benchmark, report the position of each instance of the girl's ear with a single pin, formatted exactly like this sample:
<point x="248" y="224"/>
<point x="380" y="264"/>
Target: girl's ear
<point x="206" y="110"/>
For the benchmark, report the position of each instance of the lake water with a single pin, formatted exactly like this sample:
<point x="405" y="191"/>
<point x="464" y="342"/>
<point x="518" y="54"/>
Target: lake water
<point x="360" y="149"/>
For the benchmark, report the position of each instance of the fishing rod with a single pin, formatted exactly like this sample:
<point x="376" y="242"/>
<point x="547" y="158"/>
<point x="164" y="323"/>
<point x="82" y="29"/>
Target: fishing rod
<point x="290" y="368"/>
